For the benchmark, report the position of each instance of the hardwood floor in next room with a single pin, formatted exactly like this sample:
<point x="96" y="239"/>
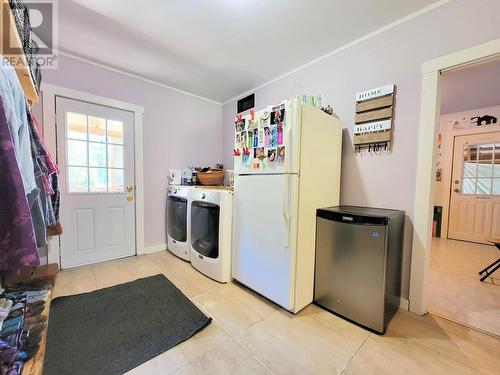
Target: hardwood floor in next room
<point x="455" y="290"/>
<point x="250" y="335"/>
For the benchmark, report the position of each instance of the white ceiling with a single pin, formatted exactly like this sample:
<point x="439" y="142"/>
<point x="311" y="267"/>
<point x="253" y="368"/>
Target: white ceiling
<point x="218" y="48"/>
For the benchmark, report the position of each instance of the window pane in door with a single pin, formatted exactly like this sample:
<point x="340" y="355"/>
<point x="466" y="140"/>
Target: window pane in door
<point x="496" y="186"/>
<point x="77" y="152"/>
<point x="483" y="186"/>
<point x="485" y="170"/>
<point x="76" y="125"/>
<point x="486" y="152"/>
<point x="97" y="129"/>
<point x="470" y="169"/>
<point x="97" y="154"/>
<point x="97" y="179"/>
<point x="115" y="132"/>
<point x="115" y="180"/>
<point x="497" y="153"/>
<point x="496" y="170"/>
<point x="115" y="156"/>
<point x="470" y="152"/>
<point x="468" y="186"/>
<point x="78" y="179"/>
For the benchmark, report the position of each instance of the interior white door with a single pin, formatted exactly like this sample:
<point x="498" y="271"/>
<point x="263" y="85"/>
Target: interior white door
<point x="475" y="188"/>
<point x="263" y="232"/>
<point x="95" y="152"/>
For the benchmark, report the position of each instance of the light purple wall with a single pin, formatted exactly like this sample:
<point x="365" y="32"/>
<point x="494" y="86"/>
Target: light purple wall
<point x="476" y="86"/>
<point x="395" y="56"/>
<point x="178" y="129"/>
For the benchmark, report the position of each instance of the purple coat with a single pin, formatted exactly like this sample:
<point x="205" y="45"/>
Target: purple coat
<point x="17" y="240"/>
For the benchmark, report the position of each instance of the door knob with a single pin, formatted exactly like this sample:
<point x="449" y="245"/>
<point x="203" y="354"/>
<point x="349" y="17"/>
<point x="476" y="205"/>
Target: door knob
<point x="130" y="188"/>
<point x="456" y="190"/>
<point x="130" y="198"/>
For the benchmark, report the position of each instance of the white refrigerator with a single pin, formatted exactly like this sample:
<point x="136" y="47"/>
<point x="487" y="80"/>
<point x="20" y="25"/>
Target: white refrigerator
<point x="286" y="165"/>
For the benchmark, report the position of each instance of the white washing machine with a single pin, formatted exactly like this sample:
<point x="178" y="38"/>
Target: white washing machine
<point x="211" y="232"/>
<point x="178" y="233"/>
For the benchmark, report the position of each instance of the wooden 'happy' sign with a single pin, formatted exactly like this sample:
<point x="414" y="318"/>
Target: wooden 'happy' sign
<point x="374" y="110"/>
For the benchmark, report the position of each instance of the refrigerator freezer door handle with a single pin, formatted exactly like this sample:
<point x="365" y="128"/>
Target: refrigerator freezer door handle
<point x="287" y="138"/>
<point x="287" y="150"/>
<point x="286" y="214"/>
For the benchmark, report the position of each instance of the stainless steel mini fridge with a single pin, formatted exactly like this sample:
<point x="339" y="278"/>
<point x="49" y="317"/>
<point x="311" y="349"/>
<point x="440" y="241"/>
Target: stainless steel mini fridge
<point x="358" y="263"/>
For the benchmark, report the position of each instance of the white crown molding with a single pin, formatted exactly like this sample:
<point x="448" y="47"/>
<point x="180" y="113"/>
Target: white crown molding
<point x="345" y="46"/>
<point x="116" y="70"/>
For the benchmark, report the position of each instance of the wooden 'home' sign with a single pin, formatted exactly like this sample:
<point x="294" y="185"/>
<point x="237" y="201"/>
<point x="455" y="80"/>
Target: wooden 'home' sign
<point x="374" y="110"/>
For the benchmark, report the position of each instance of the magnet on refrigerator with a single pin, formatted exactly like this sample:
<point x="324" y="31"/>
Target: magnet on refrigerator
<point x="280" y="133"/>
<point x="273" y="138"/>
<point x="250" y="138"/>
<point x="281" y="155"/>
<point x="261" y="138"/>
<point x="278" y="114"/>
<point x="267" y="136"/>
<point x="271" y="156"/>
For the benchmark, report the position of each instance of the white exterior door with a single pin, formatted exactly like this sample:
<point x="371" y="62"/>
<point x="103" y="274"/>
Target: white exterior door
<point x="95" y="151"/>
<point x="475" y="188"/>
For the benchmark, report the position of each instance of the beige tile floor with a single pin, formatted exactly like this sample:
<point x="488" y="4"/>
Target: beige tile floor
<point x="250" y="335"/>
<point x="455" y="290"/>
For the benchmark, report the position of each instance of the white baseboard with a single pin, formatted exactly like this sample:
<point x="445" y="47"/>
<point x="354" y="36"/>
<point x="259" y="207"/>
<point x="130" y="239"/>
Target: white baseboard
<point x="154" y="248"/>
<point x="404" y="304"/>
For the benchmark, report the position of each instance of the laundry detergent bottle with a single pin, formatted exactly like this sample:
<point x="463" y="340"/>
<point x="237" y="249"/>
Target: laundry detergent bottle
<point x="186" y="176"/>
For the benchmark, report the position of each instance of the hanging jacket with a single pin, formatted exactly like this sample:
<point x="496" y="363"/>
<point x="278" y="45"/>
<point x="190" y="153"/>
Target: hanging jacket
<point x="50" y="176"/>
<point x="43" y="152"/>
<point x="14" y="103"/>
<point x="17" y="240"/>
<point x="39" y="214"/>
<point x="43" y="173"/>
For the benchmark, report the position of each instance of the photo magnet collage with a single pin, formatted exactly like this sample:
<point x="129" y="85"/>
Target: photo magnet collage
<point x="259" y="142"/>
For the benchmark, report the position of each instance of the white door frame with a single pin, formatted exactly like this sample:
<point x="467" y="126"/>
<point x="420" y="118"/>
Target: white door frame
<point x="49" y="95"/>
<point x="426" y="162"/>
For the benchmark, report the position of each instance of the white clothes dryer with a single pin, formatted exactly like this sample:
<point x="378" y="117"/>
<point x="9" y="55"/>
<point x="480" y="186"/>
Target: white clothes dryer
<point x="211" y="232"/>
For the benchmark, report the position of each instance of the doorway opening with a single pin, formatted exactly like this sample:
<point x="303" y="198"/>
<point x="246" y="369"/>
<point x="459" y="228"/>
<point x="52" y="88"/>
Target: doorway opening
<point x="466" y="201"/>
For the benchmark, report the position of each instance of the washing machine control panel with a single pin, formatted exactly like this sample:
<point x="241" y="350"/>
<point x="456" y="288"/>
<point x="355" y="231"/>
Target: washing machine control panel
<point x="213" y="196"/>
<point x="179" y="191"/>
